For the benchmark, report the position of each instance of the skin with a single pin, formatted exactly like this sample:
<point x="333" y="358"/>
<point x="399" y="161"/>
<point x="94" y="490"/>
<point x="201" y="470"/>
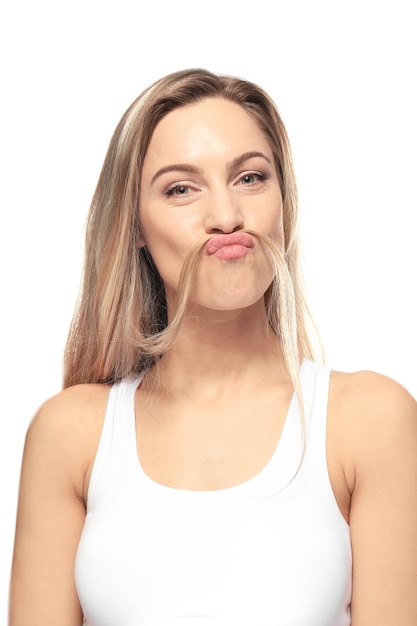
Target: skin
<point x="226" y="193"/>
<point x="198" y="430"/>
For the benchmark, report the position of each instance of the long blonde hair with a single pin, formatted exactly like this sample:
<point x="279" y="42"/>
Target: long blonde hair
<point x="120" y="324"/>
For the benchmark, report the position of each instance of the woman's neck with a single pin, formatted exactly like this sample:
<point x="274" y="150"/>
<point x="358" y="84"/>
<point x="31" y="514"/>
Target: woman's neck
<point x="221" y="348"/>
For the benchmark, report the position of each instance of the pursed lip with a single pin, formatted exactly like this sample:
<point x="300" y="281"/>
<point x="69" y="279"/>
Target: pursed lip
<point x="218" y="242"/>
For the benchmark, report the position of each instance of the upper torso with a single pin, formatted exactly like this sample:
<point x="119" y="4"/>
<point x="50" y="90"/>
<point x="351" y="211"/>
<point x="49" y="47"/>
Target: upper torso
<point x="371" y="470"/>
<point x="162" y="466"/>
<point x="271" y="548"/>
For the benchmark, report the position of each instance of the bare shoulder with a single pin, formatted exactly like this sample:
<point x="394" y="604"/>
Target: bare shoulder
<point x="60" y="447"/>
<point x="368" y="396"/>
<point x="73" y="404"/>
<point x="373" y="425"/>
<point x="75" y="411"/>
<point x="373" y="416"/>
<point x="66" y="430"/>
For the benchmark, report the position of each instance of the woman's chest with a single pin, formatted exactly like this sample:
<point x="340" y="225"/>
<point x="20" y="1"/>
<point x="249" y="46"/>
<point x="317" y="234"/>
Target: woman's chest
<point x="217" y="559"/>
<point x="206" y="445"/>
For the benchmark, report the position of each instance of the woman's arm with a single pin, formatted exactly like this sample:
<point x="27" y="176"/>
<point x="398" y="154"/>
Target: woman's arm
<point x="58" y="451"/>
<point x="383" y="516"/>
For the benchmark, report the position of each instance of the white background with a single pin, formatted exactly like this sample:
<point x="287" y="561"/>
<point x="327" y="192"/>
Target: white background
<point x="344" y="77"/>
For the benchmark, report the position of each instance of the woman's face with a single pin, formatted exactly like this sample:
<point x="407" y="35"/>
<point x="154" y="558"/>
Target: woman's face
<point x="209" y="170"/>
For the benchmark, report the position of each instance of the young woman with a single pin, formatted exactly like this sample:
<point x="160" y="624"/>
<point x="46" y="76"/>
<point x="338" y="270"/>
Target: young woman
<point x="199" y="466"/>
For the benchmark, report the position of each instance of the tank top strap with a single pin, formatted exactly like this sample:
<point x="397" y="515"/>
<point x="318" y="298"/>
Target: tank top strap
<point x="115" y="440"/>
<point x="315" y="388"/>
<point x="316" y="380"/>
<point x="300" y="456"/>
<point x="317" y="384"/>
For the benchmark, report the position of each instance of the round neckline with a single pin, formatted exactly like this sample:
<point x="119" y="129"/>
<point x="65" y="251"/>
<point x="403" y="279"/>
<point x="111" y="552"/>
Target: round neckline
<point x="246" y="485"/>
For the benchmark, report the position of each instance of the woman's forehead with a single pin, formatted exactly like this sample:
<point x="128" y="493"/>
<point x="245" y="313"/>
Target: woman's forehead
<point x="215" y="127"/>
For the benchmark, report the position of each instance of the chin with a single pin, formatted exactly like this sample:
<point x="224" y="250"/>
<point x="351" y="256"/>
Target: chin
<point x="238" y="292"/>
<point x="229" y="301"/>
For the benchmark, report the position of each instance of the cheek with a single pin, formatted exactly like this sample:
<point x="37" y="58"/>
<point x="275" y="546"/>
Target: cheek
<point x="166" y="251"/>
<point x="154" y="235"/>
<point x="274" y="228"/>
<point x="278" y="237"/>
<point x="279" y="225"/>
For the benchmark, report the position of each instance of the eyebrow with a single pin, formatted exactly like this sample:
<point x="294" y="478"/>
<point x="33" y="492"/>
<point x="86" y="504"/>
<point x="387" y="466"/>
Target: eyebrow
<point x="192" y="169"/>
<point x="176" y="167"/>
<point x="245" y="157"/>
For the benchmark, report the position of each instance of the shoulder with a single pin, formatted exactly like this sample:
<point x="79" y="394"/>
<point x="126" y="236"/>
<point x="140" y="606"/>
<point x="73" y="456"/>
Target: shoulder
<point x="66" y="429"/>
<point x="369" y="396"/>
<point x="373" y="421"/>
<point x="374" y="418"/>
<point x="70" y="409"/>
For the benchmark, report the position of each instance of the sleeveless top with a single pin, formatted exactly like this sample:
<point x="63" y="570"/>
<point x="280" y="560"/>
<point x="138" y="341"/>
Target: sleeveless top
<point x="272" y="551"/>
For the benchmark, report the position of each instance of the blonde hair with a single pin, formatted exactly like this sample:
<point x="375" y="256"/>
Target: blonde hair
<point x="120" y="324"/>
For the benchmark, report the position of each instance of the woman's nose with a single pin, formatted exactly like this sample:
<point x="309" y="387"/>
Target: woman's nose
<point x="223" y="213"/>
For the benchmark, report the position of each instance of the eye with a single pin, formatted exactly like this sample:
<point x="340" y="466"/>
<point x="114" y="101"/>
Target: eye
<point x="177" y="189"/>
<point x="251" y="178"/>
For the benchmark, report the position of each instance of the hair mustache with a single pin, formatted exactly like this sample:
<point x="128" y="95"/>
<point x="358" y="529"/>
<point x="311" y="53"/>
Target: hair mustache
<point x="280" y="290"/>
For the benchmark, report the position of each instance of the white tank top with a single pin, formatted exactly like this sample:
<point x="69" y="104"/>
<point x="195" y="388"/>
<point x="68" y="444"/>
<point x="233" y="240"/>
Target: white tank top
<point x="271" y="551"/>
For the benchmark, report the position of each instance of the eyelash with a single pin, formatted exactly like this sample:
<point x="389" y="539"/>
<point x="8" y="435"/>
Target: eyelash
<point x="170" y="190"/>
<point x="258" y="174"/>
